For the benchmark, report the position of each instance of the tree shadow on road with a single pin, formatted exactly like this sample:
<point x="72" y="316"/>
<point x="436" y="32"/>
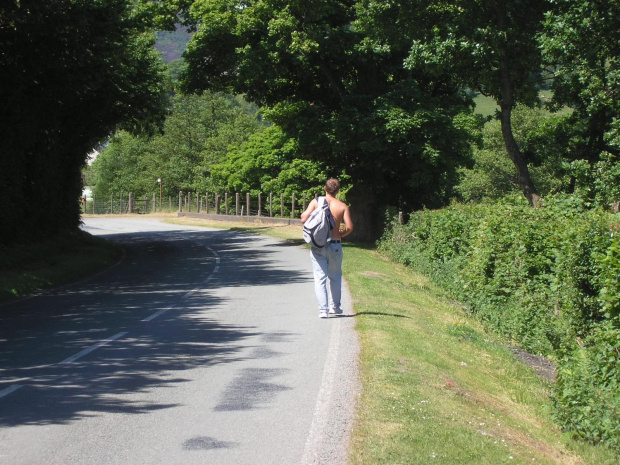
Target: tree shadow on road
<point x="169" y="273"/>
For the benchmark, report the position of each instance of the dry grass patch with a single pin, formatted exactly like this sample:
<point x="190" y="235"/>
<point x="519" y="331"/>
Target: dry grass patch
<point x="280" y="231"/>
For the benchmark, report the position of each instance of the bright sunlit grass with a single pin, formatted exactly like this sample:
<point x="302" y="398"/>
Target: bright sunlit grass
<point x="436" y="387"/>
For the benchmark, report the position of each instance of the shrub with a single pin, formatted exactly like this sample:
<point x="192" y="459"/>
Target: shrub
<point x="548" y="278"/>
<point x="587" y="391"/>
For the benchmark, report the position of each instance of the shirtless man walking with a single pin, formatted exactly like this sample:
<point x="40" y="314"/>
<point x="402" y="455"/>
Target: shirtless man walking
<point x="327" y="261"/>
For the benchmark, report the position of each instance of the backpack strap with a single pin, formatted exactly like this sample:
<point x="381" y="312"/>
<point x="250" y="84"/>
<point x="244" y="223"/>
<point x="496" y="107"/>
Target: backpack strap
<point x="330" y="217"/>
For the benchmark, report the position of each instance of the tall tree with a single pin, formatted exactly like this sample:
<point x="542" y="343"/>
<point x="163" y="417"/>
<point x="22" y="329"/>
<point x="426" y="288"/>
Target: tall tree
<point x="268" y="162"/>
<point x="70" y="73"/>
<point x="581" y="44"/>
<point x="399" y="134"/>
<point x="491" y="46"/>
<point x="197" y="133"/>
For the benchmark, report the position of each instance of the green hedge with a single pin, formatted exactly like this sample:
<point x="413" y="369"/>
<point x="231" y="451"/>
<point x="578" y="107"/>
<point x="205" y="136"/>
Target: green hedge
<point x="548" y="278"/>
<point x="587" y="391"/>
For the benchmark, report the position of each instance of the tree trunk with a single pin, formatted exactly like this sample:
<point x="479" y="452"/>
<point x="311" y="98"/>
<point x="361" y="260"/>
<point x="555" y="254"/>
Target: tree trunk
<point x="365" y="213"/>
<point x="523" y="173"/>
<point x="506" y="104"/>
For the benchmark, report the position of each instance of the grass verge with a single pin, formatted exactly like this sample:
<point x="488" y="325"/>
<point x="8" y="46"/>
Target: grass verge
<point x="25" y="268"/>
<point x="437" y="388"/>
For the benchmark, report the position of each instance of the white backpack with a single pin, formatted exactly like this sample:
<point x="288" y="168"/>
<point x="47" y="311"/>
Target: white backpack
<point x="318" y="227"/>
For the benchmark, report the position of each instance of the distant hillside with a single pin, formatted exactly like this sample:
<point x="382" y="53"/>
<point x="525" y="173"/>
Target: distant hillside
<point x="172" y="44"/>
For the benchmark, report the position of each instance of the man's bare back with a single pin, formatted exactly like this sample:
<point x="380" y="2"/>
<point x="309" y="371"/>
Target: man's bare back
<point x="341" y="214"/>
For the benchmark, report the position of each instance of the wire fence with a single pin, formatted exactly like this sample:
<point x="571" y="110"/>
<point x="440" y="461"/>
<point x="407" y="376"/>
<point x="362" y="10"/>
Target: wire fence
<point x="237" y="204"/>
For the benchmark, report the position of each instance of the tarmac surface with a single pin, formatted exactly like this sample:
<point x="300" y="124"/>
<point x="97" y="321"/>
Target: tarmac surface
<point x="199" y="346"/>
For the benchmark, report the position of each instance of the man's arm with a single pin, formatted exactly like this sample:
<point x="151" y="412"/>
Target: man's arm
<point x="348" y="223"/>
<point x="305" y="215"/>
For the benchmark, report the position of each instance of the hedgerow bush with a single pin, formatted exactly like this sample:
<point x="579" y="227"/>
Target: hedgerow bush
<point x="587" y="390"/>
<point x="547" y="278"/>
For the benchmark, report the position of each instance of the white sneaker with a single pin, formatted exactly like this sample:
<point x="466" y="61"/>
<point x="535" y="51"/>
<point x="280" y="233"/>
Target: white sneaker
<point x="335" y="311"/>
<point x="323" y="314"/>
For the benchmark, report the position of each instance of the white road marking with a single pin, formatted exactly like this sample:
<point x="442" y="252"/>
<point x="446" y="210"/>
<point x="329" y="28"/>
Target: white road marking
<point x="73" y="358"/>
<point x="321" y="412"/>
<point x="158" y="313"/>
<point x="10" y="389"/>
<point x="80" y="354"/>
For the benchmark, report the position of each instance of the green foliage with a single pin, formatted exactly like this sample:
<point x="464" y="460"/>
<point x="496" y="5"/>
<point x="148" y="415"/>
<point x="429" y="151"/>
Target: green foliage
<point x="596" y="184"/>
<point x="548" y="278"/>
<point x="125" y="165"/>
<point x="400" y="134"/>
<point x="542" y="138"/>
<point x="580" y="43"/>
<point x="71" y="72"/>
<point x="489" y="47"/>
<point x="269" y="162"/>
<point x="481" y="41"/>
<point x="587" y="400"/>
<point x="608" y="265"/>
<point x="196" y="135"/>
<point x="501" y="258"/>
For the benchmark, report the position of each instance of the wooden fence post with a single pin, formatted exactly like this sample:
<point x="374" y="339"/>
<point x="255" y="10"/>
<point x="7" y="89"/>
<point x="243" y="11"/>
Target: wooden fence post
<point x="282" y="205"/>
<point x="226" y="203"/>
<point x="180" y="201"/>
<point x="260" y="206"/>
<point x="217" y="204"/>
<point x="271" y="204"/>
<point x="237" y="203"/>
<point x="247" y="203"/>
<point x="293" y="205"/>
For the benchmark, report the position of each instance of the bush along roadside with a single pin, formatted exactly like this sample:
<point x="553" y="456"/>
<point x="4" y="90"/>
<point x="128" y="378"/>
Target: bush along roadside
<point x="548" y="278"/>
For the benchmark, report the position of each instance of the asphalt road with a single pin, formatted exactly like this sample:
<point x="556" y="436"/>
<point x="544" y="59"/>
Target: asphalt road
<point x="198" y="347"/>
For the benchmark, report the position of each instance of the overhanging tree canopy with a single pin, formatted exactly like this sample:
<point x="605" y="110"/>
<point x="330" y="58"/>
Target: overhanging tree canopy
<point x="70" y="73"/>
<point x="581" y="44"/>
<point x="400" y="134"/>
<point x="490" y="46"/>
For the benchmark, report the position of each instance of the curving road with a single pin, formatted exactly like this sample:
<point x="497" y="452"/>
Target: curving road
<point x="198" y="347"/>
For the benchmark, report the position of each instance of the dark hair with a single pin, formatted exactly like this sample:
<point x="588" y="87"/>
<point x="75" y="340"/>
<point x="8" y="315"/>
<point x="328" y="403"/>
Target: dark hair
<point x="332" y="186"/>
